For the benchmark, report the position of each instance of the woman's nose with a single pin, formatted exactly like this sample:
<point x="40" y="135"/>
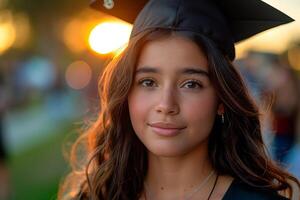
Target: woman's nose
<point x="168" y="103"/>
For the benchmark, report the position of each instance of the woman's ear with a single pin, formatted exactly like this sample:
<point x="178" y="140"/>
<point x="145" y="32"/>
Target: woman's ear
<point x="220" y="109"/>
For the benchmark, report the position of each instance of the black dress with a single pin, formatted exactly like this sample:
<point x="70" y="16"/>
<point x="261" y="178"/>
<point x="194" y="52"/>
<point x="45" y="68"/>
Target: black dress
<point x="241" y="191"/>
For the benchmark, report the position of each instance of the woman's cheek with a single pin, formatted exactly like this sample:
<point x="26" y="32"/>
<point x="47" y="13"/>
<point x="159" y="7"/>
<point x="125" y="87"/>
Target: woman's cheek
<point x="138" y="105"/>
<point x="201" y="107"/>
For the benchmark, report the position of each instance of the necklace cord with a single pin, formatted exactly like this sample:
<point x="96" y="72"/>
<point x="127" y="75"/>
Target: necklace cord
<point x="212" y="190"/>
<point x="200" y="186"/>
<point x="195" y="191"/>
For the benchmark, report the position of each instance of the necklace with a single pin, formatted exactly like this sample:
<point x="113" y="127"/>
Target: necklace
<point x="189" y="196"/>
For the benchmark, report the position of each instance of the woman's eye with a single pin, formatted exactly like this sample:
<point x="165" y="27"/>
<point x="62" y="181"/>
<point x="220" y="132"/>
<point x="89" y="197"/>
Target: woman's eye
<point x="192" y="84"/>
<point x="147" y="83"/>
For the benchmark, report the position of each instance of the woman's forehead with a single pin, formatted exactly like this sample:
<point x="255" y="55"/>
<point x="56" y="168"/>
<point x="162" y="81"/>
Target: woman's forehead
<point x="173" y="52"/>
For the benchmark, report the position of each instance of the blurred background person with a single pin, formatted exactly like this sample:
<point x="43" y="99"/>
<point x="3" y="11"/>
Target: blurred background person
<point x="273" y="80"/>
<point x="285" y="108"/>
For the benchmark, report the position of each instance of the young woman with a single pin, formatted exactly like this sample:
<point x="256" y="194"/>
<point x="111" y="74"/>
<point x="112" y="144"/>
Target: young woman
<point x="176" y="120"/>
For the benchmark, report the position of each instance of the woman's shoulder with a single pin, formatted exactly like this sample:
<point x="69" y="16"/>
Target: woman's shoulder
<point x="239" y="190"/>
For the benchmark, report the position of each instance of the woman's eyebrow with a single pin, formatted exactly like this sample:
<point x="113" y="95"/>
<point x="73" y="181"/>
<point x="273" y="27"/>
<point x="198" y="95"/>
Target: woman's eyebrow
<point x="147" y="69"/>
<point x="190" y="71"/>
<point x="186" y="71"/>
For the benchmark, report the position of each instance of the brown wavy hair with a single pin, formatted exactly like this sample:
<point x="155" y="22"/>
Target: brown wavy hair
<point x="109" y="161"/>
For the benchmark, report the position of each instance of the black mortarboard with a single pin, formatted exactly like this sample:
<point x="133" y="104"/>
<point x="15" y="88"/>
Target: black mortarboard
<point x="223" y="21"/>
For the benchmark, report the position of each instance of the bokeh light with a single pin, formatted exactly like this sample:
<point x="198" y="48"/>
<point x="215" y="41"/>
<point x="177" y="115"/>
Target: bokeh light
<point x="39" y="73"/>
<point x="23" y="30"/>
<point x="73" y="36"/>
<point x="7" y="31"/>
<point x="78" y="75"/>
<point x="108" y="37"/>
<point x="293" y="57"/>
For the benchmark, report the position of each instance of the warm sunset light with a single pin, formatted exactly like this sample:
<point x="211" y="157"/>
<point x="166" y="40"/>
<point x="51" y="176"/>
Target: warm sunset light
<point x="7" y="32"/>
<point x="293" y="57"/>
<point x="23" y="30"/>
<point x="109" y="37"/>
<point x="74" y="35"/>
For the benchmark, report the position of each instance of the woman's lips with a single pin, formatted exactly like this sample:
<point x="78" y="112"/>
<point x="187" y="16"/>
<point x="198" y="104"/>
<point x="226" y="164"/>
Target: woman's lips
<point x="166" y="129"/>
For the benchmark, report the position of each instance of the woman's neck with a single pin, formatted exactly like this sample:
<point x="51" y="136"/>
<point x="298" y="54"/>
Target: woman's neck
<point x="174" y="177"/>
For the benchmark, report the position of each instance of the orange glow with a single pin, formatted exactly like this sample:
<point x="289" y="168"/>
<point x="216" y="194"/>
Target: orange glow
<point x="7" y="31"/>
<point x="294" y="58"/>
<point x="109" y="37"/>
<point x="23" y="30"/>
<point x="78" y="75"/>
<point x="73" y="36"/>
<point x="275" y="40"/>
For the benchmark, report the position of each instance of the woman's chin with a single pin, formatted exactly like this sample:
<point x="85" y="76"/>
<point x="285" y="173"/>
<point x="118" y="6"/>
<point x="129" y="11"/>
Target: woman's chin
<point x="176" y="148"/>
<point x="167" y="151"/>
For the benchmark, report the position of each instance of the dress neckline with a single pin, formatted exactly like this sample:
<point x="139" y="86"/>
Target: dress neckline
<point x="230" y="188"/>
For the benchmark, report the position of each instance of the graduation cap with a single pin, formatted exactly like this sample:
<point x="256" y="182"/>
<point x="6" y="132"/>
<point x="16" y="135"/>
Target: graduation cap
<point x="225" y="22"/>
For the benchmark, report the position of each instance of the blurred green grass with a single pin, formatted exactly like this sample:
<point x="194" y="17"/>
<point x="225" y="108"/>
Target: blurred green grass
<point x="36" y="173"/>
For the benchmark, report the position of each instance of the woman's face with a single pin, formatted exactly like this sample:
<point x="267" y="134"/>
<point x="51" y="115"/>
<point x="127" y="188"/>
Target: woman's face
<point x="172" y="103"/>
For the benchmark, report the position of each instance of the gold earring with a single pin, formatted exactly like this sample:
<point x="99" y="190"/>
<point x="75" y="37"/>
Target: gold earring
<point x="223" y="118"/>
